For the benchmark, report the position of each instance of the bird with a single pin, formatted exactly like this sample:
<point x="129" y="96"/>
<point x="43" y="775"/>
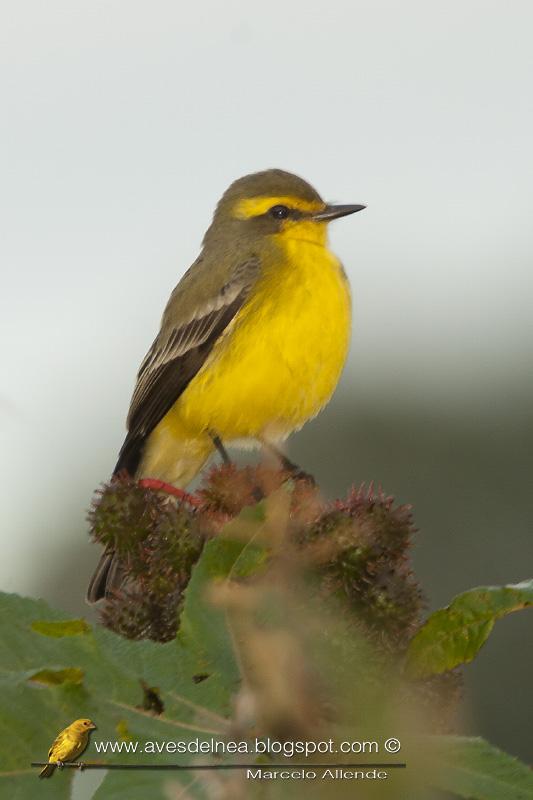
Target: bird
<point x="67" y="745"/>
<point x="252" y="341"/>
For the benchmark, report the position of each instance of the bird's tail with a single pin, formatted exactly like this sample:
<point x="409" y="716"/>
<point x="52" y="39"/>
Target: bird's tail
<point x="47" y="771"/>
<point x="107" y="577"/>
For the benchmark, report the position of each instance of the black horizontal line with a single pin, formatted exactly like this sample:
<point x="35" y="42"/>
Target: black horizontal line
<point x="266" y="767"/>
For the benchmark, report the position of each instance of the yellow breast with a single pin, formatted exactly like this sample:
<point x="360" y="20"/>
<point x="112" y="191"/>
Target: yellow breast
<point x="281" y="359"/>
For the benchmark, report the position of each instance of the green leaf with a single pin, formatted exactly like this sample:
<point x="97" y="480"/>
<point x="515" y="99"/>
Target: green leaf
<point x="454" y="635"/>
<point x="472" y="768"/>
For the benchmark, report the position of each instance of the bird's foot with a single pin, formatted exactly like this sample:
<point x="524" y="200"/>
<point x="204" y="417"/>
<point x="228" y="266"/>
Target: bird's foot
<point x="297" y="473"/>
<point x="156" y="485"/>
<point x="60" y="764"/>
<point x="81" y="765"/>
<point x="301" y="475"/>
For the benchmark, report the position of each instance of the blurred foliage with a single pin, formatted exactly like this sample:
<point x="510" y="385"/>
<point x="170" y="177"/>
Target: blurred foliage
<point x="289" y="618"/>
<point x="464" y="466"/>
<point x="355" y="550"/>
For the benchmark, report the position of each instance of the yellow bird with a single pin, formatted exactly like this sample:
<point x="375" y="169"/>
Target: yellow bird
<point x="68" y="744"/>
<point x="252" y="341"/>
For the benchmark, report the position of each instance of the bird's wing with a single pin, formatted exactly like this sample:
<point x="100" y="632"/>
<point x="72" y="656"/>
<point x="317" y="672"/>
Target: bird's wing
<point x="56" y="745"/>
<point x="181" y="348"/>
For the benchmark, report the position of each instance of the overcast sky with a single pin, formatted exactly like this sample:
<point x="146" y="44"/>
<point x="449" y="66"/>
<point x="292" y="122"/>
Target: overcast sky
<point x="123" y="122"/>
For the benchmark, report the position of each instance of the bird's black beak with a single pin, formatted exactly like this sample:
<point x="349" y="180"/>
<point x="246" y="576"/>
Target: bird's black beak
<point x="334" y="212"/>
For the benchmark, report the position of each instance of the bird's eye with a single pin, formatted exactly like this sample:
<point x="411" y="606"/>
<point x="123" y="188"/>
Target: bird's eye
<point x="279" y="212"/>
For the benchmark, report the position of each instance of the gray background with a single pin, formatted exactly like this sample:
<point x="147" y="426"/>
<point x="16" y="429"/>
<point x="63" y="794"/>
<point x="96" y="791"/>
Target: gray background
<point x="123" y="122"/>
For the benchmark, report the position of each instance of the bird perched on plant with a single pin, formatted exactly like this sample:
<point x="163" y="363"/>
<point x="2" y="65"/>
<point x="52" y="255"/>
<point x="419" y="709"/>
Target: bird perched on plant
<point x="68" y="744"/>
<point x="252" y="340"/>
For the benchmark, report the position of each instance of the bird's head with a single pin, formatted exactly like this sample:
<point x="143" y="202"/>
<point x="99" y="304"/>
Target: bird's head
<point x="275" y="202"/>
<point x="83" y="725"/>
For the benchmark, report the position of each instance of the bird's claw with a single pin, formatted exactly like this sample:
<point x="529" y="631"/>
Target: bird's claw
<point x="81" y="765"/>
<point x="60" y="764"/>
<point x="301" y="475"/>
<point x="296" y="472"/>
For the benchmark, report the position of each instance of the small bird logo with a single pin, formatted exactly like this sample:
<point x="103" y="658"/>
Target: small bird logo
<point x="68" y="744"/>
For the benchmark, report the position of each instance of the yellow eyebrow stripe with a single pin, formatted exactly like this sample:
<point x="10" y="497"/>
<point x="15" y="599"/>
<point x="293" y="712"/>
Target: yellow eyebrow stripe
<point x="255" y="206"/>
